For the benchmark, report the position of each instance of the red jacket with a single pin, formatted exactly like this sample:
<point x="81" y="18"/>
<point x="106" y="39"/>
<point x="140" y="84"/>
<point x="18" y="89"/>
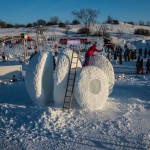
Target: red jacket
<point x="92" y="49"/>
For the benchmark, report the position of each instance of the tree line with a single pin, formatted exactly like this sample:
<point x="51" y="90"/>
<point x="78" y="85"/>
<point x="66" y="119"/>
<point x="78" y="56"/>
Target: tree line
<point x="53" y="21"/>
<point x="85" y="16"/>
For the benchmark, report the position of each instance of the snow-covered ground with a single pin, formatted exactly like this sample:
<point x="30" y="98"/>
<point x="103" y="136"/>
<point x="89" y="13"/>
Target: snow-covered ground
<point x="124" y="122"/>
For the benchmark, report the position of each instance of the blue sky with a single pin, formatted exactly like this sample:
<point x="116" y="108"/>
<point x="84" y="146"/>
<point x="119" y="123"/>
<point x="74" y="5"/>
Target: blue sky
<point x="25" y="11"/>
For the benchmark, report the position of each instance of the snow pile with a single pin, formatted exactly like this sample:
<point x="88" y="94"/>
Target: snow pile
<point x="103" y="63"/>
<point x="91" y="88"/>
<point x="39" y="78"/>
<point x="61" y="74"/>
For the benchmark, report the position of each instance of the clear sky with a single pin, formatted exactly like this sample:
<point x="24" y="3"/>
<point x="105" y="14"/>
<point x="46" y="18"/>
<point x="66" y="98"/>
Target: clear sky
<point x="29" y="11"/>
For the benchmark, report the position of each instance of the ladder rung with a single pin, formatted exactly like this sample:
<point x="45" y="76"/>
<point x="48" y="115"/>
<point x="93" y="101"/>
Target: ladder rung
<point x="66" y="107"/>
<point x="66" y="102"/>
<point x="71" y="79"/>
<point x="69" y="86"/>
<point x="69" y="90"/>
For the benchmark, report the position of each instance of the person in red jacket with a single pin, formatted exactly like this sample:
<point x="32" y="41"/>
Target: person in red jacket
<point x="89" y="53"/>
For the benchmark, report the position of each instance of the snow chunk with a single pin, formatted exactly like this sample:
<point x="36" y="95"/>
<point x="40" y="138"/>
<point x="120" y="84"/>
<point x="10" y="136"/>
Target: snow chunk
<point x="61" y="74"/>
<point x="39" y="78"/>
<point x="91" y="88"/>
<point x="103" y="63"/>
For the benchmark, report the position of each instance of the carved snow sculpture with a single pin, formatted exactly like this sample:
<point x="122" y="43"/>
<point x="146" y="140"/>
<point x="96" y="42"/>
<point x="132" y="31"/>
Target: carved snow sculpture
<point x="39" y="78"/>
<point x="103" y="63"/>
<point x="61" y="74"/>
<point x="91" y="88"/>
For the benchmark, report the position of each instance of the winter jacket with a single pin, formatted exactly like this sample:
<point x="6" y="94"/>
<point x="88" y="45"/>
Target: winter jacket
<point x="148" y="64"/>
<point x="141" y="63"/>
<point x="92" y="49"/>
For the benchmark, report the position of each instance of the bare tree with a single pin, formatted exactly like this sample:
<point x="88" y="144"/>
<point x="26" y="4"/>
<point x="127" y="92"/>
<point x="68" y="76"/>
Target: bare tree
<point x="2" y="24"/>
<point x="41" y="22"/>
<point x="141" y="23"/>
<point x="101" y="30"/>
<point x="148" y="23"/>
<point x="109" y="19"/>
<point x="54" y="20"/>
<point x="74" y="22"/>
<point x="87" y="16"/>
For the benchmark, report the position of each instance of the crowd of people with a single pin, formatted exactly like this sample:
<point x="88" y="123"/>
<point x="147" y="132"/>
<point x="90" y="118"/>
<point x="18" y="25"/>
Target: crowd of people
<point x="118" y="54"/>
<point x="139" y="62"/>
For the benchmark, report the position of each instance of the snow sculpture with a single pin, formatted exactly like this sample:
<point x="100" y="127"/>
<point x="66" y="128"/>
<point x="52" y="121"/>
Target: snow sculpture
<point x="103" y="63"/>
<point x="91" y="88"/>
<point x="39" y="78"/>
<point x="61" y="74"/>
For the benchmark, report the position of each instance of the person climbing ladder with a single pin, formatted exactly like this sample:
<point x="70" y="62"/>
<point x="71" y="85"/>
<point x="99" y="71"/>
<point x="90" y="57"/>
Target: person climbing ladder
<point x="90" y="53"/>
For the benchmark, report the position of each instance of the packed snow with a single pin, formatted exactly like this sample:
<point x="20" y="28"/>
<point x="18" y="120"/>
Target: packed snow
<point x="61" y="74"/>
<point x="39" y="78"/>
<point x="101" y="62"/>
<point x="124" y="122"/>
<point x="91" y="88"/>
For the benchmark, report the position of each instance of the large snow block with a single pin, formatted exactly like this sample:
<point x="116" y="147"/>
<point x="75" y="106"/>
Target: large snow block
<point x="7" y="71"/>
<point x="39" y="78"/>
<point x="91" y="88"/>
<point x="104" y="64"/>
<point x="61" y="74"/>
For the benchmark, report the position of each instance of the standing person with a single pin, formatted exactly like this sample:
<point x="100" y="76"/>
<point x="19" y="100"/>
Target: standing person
<point x="129" y="55"/>
<point x="140" y="51"/>
<point x="115" y="56"/>
<point x="120" y="57"/>
<point x="140" y="67"/>
<point x="149" y="52"/>
<point x="148" y="66"/>
<point x="145" y="53"/>
<point x="3" y="56"/>
<point x="89" y="53"/>
<point x="125" y="55"/>
<point x="137" y="64"/>
<point x="109" y="56"/>
<point x="132" y="55"/>
<point x="56" y="49"/>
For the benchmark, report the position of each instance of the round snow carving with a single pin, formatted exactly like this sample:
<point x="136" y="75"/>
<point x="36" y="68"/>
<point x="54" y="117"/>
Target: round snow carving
<point x="39" y="78"/>
<point x="61" y="74"/>
<point x="103" y="63"/>
<point x="91" y="88"/>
